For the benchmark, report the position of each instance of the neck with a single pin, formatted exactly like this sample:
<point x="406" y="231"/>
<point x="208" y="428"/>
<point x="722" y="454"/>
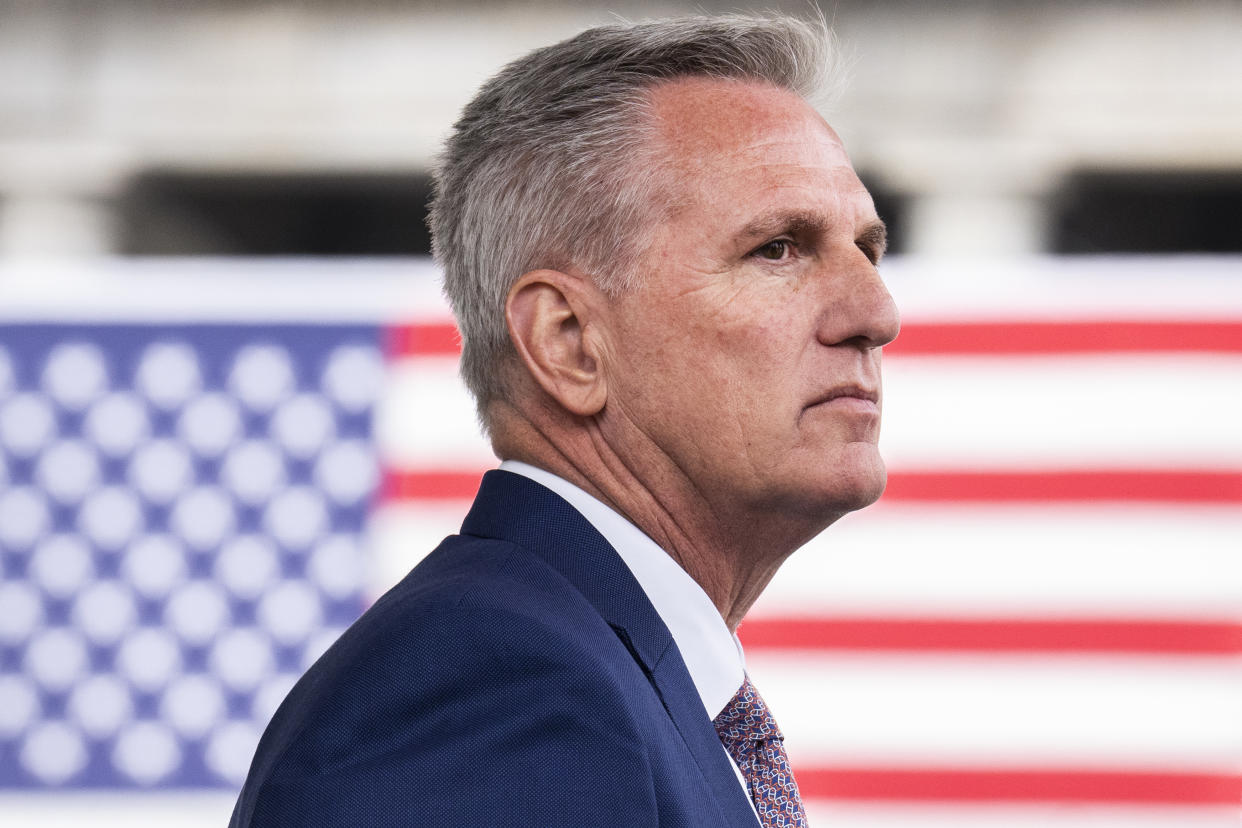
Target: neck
<point x="731" y="551"/>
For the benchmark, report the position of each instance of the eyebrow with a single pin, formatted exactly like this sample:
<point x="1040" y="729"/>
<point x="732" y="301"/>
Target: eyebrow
<point x="797" y="222"/>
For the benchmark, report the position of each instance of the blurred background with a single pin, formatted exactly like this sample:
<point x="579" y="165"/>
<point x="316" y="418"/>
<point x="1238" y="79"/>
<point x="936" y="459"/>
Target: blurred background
<point x="229" y="413"/>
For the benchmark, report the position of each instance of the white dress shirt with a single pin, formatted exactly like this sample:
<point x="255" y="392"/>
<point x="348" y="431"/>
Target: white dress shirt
<point x="712" y="654"/>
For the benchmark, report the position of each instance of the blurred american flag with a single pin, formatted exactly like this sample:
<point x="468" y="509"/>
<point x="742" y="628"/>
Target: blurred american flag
<point x="208" y="469"/>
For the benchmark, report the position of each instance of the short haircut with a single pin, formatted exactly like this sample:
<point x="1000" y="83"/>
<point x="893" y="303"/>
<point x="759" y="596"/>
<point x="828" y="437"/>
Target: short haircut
<point x="545" y="167"/>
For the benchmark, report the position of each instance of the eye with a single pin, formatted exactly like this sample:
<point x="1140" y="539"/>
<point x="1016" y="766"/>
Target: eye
<point x="871" y="252"/>
<point x="774" y="250"/>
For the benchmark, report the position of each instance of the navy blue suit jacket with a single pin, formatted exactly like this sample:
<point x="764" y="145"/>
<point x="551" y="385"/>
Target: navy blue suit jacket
<point x="516" y="677"/>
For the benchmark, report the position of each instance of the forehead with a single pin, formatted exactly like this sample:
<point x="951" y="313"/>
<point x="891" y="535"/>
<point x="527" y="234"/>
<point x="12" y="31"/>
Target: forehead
<point x="749" y="137"/>
<point x="717" y="113"/>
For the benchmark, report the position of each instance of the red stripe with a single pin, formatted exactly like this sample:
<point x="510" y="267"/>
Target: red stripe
<point x="996" y="635"/>
<point x="960" y="338"/>
<point x="999" y="487"/>
<point x="424" y="339"/>
<point x="999" y="338"/>
<point x="1142" y="485"/>
<point x="1064" y="785"/>
<point x="430" y="484"/>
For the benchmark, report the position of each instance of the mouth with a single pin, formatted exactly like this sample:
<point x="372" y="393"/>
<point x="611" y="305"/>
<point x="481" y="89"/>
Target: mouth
<point x="848" y="394"/>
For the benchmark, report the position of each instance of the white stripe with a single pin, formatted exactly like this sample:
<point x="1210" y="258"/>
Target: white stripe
<point x="392" y="291"/>
<point x="876" y="815"/>
<point x="1019" y="711"/>
<point x="122" y="809"/>
<point x="1126" y="411"/>
<point x="1066" y="287"/>
<point x="945" y="559"/>
<point x="953" y="560"/>
<point x="399" y="290"/>
<point x="427" y="418"/>
<point x="1063" y="412"/>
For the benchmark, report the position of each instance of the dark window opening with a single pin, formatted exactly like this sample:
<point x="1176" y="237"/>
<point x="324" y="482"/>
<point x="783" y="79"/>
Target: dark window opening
<point x="1149" y="212"/>
<point x="208" y="214"/>
<point x="891" y="208"/>
<point x="173" y="213"/>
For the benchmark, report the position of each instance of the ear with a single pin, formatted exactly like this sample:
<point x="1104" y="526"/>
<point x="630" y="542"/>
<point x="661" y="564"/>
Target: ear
<point x="549" y="318"/>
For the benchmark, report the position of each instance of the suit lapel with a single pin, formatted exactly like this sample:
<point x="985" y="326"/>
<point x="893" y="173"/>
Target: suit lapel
<point x="685" y="707"/>
<point x="514" y="508"/>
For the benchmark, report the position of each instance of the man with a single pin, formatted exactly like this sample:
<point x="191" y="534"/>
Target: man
<point x="663" y="268"/>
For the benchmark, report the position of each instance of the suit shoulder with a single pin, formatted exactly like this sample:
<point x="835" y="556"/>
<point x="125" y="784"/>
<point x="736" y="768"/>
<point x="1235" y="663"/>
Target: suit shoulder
<point x="483" y="650"/>
<point x="467" y="580"/>
<point x="463" y="688"/>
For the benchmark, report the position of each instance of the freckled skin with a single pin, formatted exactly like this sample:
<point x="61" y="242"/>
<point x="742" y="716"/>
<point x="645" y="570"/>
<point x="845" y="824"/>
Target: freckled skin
<point x="714" y="438"/>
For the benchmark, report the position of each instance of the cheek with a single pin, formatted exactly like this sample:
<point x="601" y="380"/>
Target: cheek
<point x="763" y="351"/>
<point x="738" y="356"/>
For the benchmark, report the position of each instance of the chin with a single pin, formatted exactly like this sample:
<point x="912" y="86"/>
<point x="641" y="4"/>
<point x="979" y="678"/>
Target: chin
<point x="808" y="503"/>
<point x="856" y="479"/>
<point x="869" y="491"/>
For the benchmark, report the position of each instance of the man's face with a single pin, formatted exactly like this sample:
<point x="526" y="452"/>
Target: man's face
<point x="749" y="356"/>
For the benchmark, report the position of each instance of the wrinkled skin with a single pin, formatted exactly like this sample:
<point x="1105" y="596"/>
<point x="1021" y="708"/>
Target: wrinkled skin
<point x="738" y="387"/>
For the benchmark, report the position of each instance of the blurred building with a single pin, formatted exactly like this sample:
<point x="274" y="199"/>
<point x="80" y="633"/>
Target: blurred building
<point x="233" y="127"/>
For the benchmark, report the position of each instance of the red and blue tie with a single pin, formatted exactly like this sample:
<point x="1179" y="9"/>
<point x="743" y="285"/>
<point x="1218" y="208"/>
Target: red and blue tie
<point x="752" y="738"/>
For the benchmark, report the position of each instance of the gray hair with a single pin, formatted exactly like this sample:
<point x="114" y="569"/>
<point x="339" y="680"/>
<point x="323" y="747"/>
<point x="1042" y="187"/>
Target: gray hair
<point x="544" y="169"/>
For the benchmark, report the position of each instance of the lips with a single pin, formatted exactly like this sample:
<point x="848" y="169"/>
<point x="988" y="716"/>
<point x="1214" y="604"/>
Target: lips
<point x="848" y="392"/>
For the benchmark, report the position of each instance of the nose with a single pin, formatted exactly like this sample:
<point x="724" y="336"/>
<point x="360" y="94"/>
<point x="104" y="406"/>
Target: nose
<point x="858" y="310"/>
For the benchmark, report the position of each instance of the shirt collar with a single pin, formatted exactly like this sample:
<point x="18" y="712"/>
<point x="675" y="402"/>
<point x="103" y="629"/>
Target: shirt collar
<point x="712" y="655"/>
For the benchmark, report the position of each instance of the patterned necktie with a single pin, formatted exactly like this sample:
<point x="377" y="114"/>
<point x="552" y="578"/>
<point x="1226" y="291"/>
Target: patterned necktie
<point x="752" y="738"/>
